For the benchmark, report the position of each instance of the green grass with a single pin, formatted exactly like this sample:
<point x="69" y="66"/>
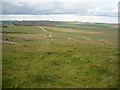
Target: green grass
<point x="22" y="29"/>
<point x="40" y="62"/>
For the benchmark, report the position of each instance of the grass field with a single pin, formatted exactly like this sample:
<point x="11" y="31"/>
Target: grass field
<point x="66" y="55"/>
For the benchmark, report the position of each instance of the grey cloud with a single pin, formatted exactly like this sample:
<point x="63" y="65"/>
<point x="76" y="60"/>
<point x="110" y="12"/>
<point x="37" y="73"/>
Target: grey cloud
<point x="46" y="8"/>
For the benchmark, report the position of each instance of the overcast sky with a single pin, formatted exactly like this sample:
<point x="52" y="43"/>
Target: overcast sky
<point x="61" y="10"/>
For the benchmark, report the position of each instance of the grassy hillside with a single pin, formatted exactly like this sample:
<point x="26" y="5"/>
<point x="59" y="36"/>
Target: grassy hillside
<point x="65" y="55"/>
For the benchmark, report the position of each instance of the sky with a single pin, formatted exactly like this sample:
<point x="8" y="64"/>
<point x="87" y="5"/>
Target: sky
<point x="61" y="10"/>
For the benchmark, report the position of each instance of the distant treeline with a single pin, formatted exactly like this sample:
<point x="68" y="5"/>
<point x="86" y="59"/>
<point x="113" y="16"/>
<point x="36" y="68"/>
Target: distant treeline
<point x="33" y="23"/>
<point x="19" y="24"/>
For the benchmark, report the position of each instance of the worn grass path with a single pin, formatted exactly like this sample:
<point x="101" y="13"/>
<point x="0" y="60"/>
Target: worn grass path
<point x="49" y="33"/>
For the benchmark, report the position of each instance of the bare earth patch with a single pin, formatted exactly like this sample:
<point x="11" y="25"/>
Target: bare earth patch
<point x="115" y="26"/>
<point x="6" y="42"/>
<point x="70" y="30"/>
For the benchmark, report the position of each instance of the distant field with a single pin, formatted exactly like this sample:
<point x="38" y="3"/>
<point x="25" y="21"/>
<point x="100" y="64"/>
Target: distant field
<point x="59" y="55"/>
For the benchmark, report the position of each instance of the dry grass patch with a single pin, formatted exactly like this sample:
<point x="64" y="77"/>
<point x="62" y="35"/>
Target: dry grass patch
<point x="71" y="30"/>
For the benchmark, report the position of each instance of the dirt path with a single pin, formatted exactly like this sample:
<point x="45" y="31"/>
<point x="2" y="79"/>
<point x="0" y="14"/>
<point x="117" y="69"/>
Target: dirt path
<point x="9" y="42"/>
<point x="69" y="38"/>
<point x="47" y="32"/>
<point x="85" y="38"/>
<point x="80" y="37"/>
<point x="42" y="28"/>
<point x="105" y="42"/>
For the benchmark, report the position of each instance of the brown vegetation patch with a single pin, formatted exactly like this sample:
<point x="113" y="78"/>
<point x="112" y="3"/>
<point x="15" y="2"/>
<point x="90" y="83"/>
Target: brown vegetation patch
<point x="115" y="26"/>
<point x="70" y="30"/>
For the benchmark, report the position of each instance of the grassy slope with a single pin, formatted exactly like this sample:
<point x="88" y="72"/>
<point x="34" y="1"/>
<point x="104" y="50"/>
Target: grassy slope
<point x="37" y="61"/>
